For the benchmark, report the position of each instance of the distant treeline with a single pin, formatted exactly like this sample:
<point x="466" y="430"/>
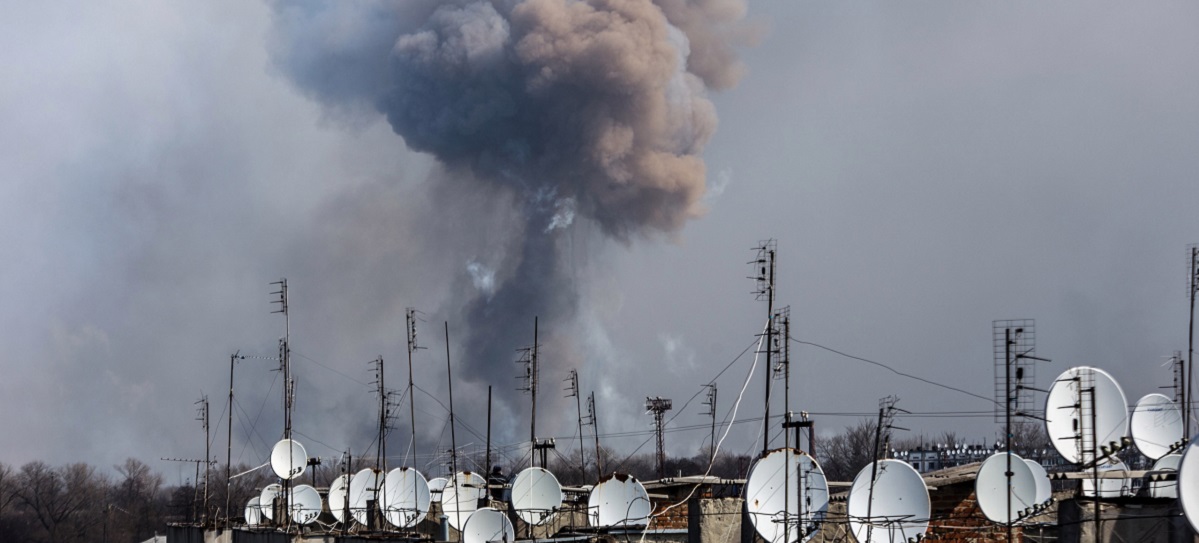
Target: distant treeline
<point x="78" y="503"/>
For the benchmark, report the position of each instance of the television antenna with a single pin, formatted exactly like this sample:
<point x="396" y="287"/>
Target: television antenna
<point x="202" y="416"/>
<point x="572" y="390"/>
<point x="285" y="367"/>
<point x="710" y="401"/>
<point x="593" y="421"/>
<point x="1019" y="345"/>
<point x="385" y="414"/>
<point x="1192" y="287"/>
<point x="528" y="359"/>
<point x="763" y="276"/>
<point x="410" y="327"/>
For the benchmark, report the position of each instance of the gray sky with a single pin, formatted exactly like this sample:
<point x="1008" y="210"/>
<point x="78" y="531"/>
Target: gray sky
<point x="926" y="168"/>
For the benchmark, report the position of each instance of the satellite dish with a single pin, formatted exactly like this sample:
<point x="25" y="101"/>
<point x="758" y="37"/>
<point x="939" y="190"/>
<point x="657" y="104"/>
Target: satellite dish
<point x="253" y="512"/>
<point x="1188" y="482"/>
<point x="1044" y="485"/>
<point x="266" y="500"/>
<point x="1165" y="489"/>
<point x="339" y="493"/>
<point x="488" y="526"/>
<point x="1108" y="488"/>
<point x="536" y="495"/>
<point x="618" y="500"/>
<point x="405" y="497"/>
<point x="288" y="459"/>
<point x="436" y="485"/>
<point x="1062" y="411"/>
<point x="992" y="489"/>
<point x="786" y="486"/>
<point x="305" y="504"/>
<point x="1156" y="425"/>
<point x="900" y="508"/>
<point x="461" y="496"/>
<point x="364" y="488"/>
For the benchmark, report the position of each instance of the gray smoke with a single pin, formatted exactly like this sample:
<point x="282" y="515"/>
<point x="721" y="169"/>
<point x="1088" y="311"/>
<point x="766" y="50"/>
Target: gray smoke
<point x="593" y="111"/>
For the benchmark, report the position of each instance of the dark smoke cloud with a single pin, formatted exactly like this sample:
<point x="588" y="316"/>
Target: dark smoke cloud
<point x="592" y="109"/>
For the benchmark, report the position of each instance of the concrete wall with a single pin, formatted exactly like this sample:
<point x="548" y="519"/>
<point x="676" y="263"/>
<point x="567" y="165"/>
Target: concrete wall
<point x="1146" y="522"/>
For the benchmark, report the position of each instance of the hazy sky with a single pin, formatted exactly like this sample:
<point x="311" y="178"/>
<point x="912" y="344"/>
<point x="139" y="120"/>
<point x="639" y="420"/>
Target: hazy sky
<point x="926" y="167"/>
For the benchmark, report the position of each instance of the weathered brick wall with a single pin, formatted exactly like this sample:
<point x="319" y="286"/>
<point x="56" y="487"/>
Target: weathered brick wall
<point x="957" y="518"/>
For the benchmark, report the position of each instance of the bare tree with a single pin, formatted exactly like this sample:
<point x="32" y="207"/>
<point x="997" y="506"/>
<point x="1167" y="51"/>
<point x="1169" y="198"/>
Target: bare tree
<point x="843" y="455"/>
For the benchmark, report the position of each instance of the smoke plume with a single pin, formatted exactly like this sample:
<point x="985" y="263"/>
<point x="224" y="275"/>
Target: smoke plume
<point x="592" y="111"/>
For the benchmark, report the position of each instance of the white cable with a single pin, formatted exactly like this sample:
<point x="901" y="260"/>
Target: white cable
<point x="727" y="428"/>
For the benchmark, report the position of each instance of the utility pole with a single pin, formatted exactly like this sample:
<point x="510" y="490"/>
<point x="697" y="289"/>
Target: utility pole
<point x="764" y="280"/>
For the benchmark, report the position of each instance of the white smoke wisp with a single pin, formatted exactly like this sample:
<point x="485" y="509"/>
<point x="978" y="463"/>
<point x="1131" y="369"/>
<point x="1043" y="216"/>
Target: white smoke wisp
<point x="482" y="277"/>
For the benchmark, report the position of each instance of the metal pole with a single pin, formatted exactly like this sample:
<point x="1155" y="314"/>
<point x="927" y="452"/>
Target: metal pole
<point x="453" y="437"/>
<point x="1186" y="399"/>
<point x="410" y="317"/>
<point x="769" y="350"/>
<point x="533" y="393"/>
<point x="878" y="432"/>
<point x="1007" y="392"/>
<point x="487" y="463"/>
<point x="599" y="462"/>
<point x="229" y="444"/>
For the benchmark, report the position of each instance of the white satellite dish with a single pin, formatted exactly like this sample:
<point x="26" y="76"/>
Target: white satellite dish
<point x="1108" y="488"/>
<point x="266" y="500"/>
<point x="618" y="500"/>
<point x="1165" y="489"/>
<point x="900" y="508"/>
<point x="784" y="487"/>
<point x="992" y="489"/>
<point x="1156" y="425"/>
<point x="1044" y="485"/>
<point x="1188" y="482"/>
<point x="436" y="485"/>
<point x="1062" y="411"/>
<point x="339" y="493"/>
<point x="488" y="526"/>
<point x="305" y="504"/>
<point x="288" y="459"/>
<point x="253" y="512"/>
<point x="461" y="496"/>
<point x="364" y="488"/>
<point x="405" y="497"/>
<point x="536" y="495"/>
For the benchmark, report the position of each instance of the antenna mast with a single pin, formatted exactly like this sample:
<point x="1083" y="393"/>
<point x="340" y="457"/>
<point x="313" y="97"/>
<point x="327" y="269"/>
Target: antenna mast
<point x="202" y="416"/>
<point x="764" y="280"/>
<point x="410" y="326"/>
<point x="594" y="422"/>
<point x="528" y="358"/>
<point x="658" y="406"/>
<point x="1192" y="286"/>
<point x="573" y="392"/>
<point x="288" y="384"/>
<point x="711" y="403"/>
<point x="384" y="415"/>
<point x="882" y="432"/>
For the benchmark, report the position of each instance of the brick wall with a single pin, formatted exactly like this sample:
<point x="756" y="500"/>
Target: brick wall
<point x="957" y="518"/>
